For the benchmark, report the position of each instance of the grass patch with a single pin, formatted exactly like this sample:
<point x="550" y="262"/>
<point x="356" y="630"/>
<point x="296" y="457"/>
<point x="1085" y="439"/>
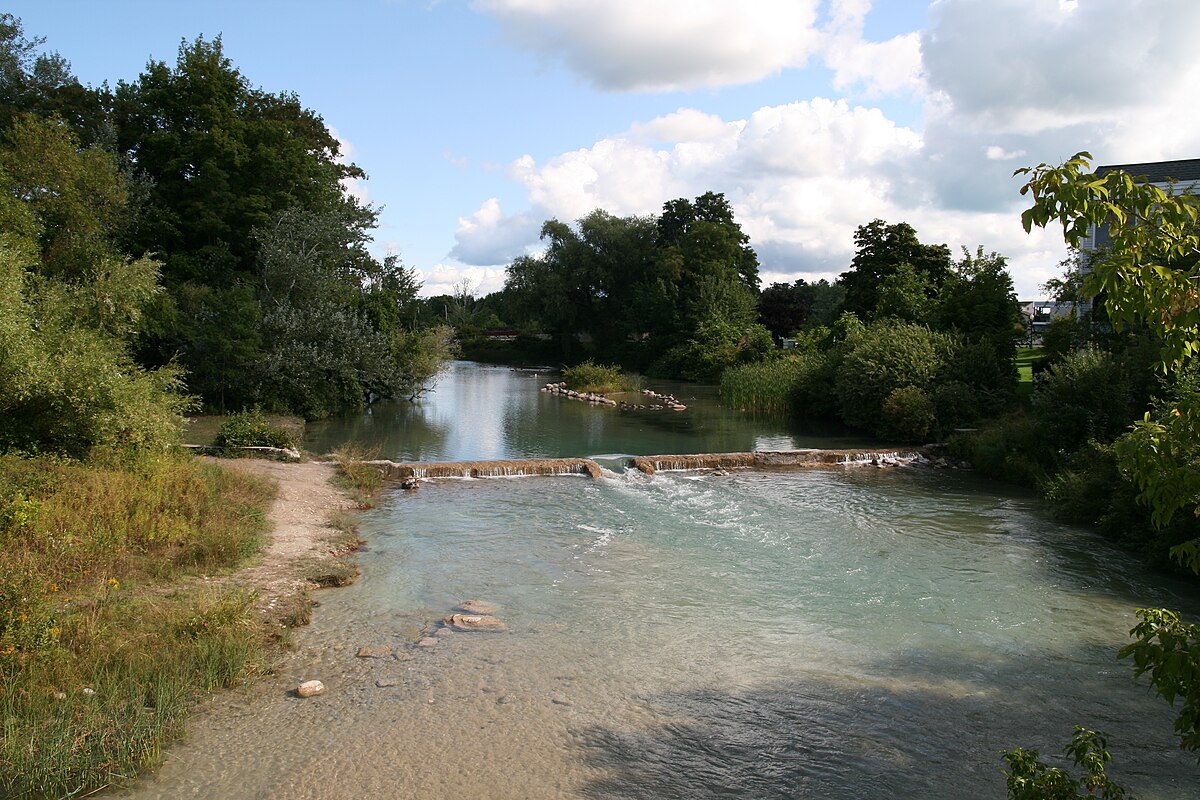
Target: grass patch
<point x="363" y="481"/>
<point x="1027" y="359"/>
<point x="770" y="387"/>
<point x="104" y="643"/>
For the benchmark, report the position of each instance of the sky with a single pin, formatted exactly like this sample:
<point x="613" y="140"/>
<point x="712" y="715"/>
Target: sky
<point x="477" y="120"/>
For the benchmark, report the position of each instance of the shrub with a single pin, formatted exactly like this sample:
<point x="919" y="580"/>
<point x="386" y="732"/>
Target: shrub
<point x="882" y="358"/>
<point x="954" y="404"/>
<point x="1088" y="395"/>
<point x="1010" y="448"/>
<point x="253" y="429"/>
<point x="908" y="414"/>
<point x="592" y="377"/>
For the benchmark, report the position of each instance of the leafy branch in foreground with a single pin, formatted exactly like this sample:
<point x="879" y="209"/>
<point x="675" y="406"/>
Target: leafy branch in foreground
<point x="1030" y="779"/>
<point x="1169" y="649"/>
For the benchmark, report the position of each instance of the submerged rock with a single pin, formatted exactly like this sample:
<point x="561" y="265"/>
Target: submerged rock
<point x="375" y="651"/>
<point x="475" y="622"/>
<point x="478" y="607"/>
<point x="427" y="641"/>
<point x="310" y="689"/>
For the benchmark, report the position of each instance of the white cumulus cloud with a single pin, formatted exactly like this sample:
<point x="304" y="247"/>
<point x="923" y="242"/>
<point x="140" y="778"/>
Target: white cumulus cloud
<point x="663" y="45"/>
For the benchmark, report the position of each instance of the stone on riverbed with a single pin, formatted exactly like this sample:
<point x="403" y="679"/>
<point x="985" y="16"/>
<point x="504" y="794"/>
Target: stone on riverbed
<point x="310" y="689"/>
<point x="475" y="622"/>
<point x="482" y="607"/>
<point x="375" y="651"/>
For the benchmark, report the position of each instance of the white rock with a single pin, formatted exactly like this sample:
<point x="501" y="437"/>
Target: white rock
<point x="310" y="688"/>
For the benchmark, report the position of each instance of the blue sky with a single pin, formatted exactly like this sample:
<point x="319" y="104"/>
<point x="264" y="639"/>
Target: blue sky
<point x="476" y="120"/>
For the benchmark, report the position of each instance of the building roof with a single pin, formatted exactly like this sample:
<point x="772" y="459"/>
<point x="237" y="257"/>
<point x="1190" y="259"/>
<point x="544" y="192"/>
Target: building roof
<point x="1185" y="170"/>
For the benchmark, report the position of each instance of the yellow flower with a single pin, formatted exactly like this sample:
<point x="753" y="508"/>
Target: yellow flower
<point x="114" y="583"/>
<point x="54" y="587"/>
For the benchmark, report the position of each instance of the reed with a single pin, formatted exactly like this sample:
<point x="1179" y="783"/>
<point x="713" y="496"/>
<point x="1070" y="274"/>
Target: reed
<point x="764" y="386"/>
<point x="104" y="643"/>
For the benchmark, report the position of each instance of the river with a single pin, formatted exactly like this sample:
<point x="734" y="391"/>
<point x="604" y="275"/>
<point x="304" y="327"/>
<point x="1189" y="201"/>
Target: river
<point x="832" y="633"/>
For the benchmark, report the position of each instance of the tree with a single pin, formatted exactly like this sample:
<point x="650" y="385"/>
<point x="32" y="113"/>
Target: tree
<point x="71" y="303"/>
<point x="640" y="287"/>
<point x="1148" y="278"/>
<point x="42" y="85"/>
<point x="881" y="249"/>
<point x="783" y="308"/>
<point x="978" y="300"/>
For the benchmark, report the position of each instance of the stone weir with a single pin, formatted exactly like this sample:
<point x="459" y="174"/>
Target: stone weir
<point x="489" y="469"/>
<point x="766" y="459"/>
<point x="651" y="464"/>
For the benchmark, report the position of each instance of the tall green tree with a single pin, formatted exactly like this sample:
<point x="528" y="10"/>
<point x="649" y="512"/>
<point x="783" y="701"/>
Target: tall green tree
<point x="881" y="250"/>
<point x="71" y="304"/>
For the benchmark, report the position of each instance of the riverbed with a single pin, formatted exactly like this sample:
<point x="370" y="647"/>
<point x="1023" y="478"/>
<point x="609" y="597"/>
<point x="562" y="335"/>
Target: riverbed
<point x="834" y="633"/>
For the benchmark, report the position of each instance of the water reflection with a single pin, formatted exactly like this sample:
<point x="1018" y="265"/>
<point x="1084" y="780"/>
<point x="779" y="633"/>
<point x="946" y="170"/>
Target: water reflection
<point x="481" y="412"/>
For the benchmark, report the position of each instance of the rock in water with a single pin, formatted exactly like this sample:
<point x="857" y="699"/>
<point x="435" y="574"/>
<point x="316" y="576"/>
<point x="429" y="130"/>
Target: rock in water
<point x="375" y="651"/>
<point x="479" y="607"/>
<point x="310" y="688"/>
<point x="475" y="622"/>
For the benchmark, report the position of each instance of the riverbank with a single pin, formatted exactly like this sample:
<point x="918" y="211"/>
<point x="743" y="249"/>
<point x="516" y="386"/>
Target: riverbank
<point x="310" y="535"/>
<point x="131" y="588"/>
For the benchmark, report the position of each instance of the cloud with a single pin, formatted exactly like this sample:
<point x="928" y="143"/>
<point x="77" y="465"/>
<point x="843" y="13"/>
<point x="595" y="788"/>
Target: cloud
<point x="992" y="86"/>
<point x="662" y="45"/>
<point x="1030" y="65"/>
<point x="881" y="67"/>
<point x="355" y="187"/>
<point x="446" y="278"/>
<point x="489" y="237"/>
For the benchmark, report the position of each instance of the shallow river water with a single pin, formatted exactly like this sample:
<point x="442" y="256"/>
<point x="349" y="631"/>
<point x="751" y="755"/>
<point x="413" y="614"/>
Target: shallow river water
<point x="840" y="633"/>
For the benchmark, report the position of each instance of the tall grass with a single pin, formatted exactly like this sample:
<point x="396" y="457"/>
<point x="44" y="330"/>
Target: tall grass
<point x="362" y="480"/>
<point x="104" y="643"/>
<point x="765" y="386"/>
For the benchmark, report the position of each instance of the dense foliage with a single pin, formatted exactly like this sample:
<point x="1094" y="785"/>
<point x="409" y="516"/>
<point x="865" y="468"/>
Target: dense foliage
<point x="262" y="289"/>
<point x="674" y="294"/>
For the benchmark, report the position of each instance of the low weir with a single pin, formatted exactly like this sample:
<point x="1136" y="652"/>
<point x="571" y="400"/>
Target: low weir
<point x="772" y="459"/>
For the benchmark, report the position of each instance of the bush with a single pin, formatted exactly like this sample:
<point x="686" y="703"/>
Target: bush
<point x="908" y="413"/>
<point x="597" y="378"/>
<point x="955" y="404"/>
<point x="1010" y="448"/>
<point x="882" y="358"/>
<point x="253" y="429"/>
<point x="1088" y="395"/>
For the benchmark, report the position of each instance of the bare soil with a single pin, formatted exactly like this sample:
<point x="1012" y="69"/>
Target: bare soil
<point x="304" y="548"/>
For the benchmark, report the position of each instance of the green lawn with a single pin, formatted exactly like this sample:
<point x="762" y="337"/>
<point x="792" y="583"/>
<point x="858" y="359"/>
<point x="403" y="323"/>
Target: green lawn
<point x="1026" y="358"/>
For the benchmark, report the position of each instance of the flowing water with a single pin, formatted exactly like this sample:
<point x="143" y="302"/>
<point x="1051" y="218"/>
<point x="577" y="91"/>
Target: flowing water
<point x="832" y="633"/>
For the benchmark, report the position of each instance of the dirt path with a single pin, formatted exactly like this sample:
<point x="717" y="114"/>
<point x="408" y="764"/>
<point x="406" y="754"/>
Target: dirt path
<point x="304" y="549"/>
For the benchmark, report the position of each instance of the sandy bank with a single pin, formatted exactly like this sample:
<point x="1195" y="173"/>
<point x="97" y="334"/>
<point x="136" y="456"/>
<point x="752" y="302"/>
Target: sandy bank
<point x="303" y="547"/>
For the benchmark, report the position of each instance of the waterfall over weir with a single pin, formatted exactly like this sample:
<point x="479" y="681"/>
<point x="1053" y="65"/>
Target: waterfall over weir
<point x="651" y="464"/>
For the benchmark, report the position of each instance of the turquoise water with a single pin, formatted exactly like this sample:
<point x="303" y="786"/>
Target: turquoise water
<point x="841" y="633"/>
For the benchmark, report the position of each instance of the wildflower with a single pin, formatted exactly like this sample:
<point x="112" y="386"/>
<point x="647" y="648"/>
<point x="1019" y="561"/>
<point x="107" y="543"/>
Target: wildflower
<point x="114" y="584"/>
<point x="54" y="587"/>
